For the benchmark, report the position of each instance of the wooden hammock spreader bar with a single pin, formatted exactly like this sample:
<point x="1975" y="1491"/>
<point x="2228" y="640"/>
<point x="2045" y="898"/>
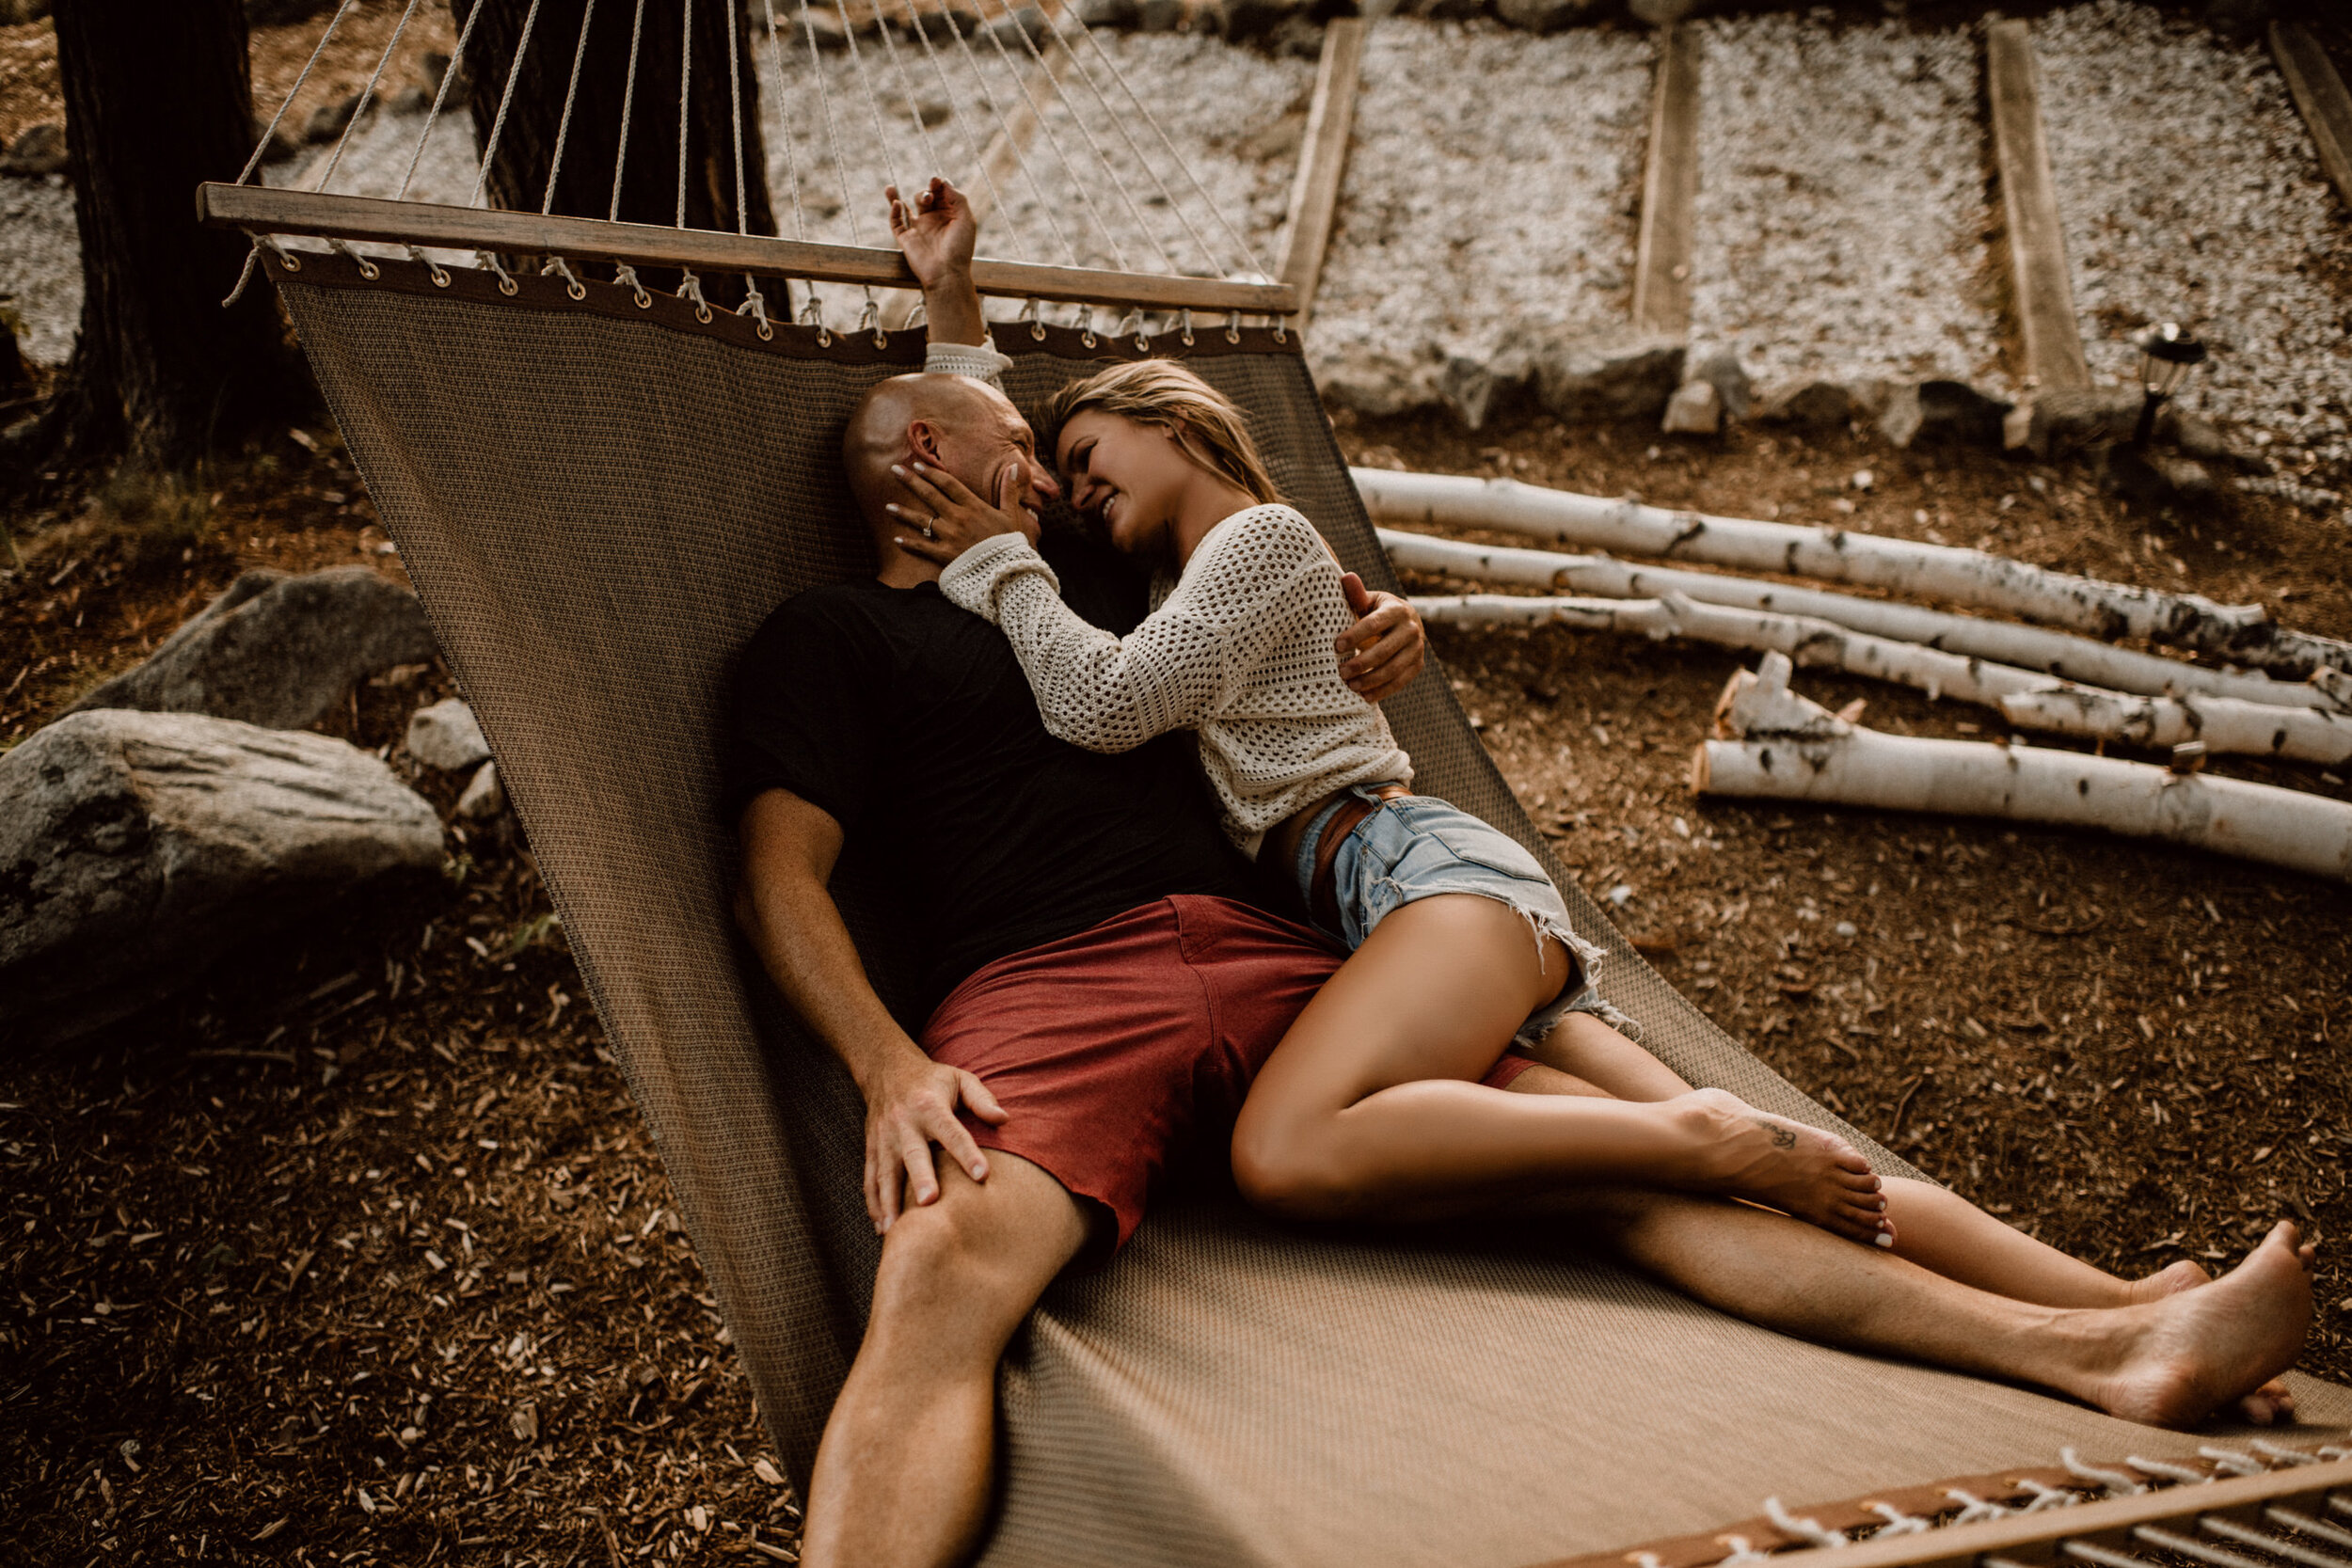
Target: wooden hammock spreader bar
<point x="2265" y="1506"/>
<point x="261" y="210"/>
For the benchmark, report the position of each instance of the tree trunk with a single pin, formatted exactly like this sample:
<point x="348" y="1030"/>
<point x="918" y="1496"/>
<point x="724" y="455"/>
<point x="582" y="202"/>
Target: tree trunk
<point x="650" y="184"/>
<point x="158" y="99"/>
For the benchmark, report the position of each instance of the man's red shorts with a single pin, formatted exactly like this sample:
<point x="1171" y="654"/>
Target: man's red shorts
<point x="1134" y="1042"/>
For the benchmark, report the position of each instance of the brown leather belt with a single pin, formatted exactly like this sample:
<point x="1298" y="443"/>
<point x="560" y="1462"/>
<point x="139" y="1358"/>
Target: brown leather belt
<point x="1322" y="891"/>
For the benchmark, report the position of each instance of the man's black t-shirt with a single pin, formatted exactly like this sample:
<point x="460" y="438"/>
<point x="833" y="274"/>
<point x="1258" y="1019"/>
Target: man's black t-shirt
<point x="911" y="723"/>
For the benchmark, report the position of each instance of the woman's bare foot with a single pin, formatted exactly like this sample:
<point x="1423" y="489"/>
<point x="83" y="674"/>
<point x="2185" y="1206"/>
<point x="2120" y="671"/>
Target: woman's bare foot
<point x="2183" y="1275"/>
<point x="2205" y="1346"/>
<point x="1816" y="1176"/>
<point x="2273" y="1403"/>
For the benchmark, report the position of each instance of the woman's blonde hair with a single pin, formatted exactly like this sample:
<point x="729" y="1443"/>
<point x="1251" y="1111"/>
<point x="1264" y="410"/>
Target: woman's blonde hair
<point x="1171" y="398"/>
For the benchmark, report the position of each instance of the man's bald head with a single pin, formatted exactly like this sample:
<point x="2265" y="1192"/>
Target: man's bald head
<point x="904" y="416"/>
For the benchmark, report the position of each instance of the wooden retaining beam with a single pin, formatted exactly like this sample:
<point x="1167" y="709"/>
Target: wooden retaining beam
<point x="1322" y="161"/>
<point x="2320" y="94"/>
<point x="1670" y="186"/>
<point x="2043" y="290"/>
<point x="260" y="210"/>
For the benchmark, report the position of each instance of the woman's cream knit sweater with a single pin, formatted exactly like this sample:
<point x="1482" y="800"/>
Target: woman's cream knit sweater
<point x="1239" y="651"/>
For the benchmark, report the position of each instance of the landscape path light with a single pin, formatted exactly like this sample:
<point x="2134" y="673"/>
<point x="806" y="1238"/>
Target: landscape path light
<point x="2166" y="355"/>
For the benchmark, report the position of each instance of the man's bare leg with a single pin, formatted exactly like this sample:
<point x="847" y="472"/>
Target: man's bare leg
<point x="903" y="1475"/>
<point x="2169" y="1356"/>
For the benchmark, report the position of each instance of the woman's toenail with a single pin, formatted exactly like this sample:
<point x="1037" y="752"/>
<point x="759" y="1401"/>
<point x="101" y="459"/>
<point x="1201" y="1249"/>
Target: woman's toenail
<point x="1883" y="1239"/>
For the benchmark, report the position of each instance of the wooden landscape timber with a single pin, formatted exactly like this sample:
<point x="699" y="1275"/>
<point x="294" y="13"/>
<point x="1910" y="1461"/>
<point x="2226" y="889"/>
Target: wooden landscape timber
<point x="2043" y="289"/>
<point x="1323" y="162"/>
<point x="1670" y="184"/>
<point x="2319" y="93"/>
<point x="2242" y="633"/>
<point x="261" y="210"/>
<point x="2050" y="653"/>
<point x="2243" y="728"/>
<point x="1775" y="745"/>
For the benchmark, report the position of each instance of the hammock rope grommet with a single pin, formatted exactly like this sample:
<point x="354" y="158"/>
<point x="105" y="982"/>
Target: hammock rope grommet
<point x="626" y="276"/>
<point x="870" y="319"/>
<point x="286" y="258"/>
<point x="432" y="269"/>
<point x="755" y="306"/>
<point x="1135" y="320"/>
<point x="507" y="285"/>
<point x="1233" y="326"/>
<point x="368" y="269"/>
<point x="691" y="287"/>
<point x="556" y="265"/>
<point x="1086" y="327"/>
<point x="1033" y="313"/>
<point x="1282" y="329"/>
<point x="1183" y="324"/>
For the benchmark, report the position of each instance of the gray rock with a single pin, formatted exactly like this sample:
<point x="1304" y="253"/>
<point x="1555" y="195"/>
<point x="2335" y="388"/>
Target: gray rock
<point x="1627" y="378"/>
<point x="1029" y="20"/>
<point x="136" y="849"/>
<point x="1941" y="413"/>
<point x="40" y="151"/>
<point x="328" y="120"/>
<point x="1376" y="383"/>
<point x="1807" y="406"/>
<point x="485" y="796"/>
<point x="446" y="735"/>
<point x="2154" y="478"/>
<point x="2052" y="424"/>
<point x="276" y="650"/>
<point x="1722" y="368"/>
<point x="2196" y="437"/>
<point x="410" y="99"/>
<point x="1544" y="16"/>
<point x="1479" y="387"/>
<point x="1695" y="409"/>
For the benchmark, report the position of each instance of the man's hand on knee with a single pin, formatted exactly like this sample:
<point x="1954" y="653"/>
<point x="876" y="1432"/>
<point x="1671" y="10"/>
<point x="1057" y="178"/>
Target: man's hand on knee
<point x="912" y="1107"/>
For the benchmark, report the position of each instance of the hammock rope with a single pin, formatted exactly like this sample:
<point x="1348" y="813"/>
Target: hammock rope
<point x="564" y="127"/>
<point x="1210" y="249"/>
<point x="440" y="96"/>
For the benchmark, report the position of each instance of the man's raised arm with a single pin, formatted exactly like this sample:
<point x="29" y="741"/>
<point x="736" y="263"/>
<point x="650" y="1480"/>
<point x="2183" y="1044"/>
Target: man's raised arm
<point x="790" y="847"/>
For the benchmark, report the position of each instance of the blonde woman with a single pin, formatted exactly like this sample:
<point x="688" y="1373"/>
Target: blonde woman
<point x="1461" y="947"/>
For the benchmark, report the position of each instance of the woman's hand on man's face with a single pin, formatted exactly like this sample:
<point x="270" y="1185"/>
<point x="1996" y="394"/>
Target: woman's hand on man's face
<point x="948" y="519"/>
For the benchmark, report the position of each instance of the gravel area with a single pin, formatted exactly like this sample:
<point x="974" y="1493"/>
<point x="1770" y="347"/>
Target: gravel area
<point x="1841" y="204"/>
<point x="376" y="162"/>
<point x="1235" y="115"/>
<point x="2191" y="192"/>
<point x="40" y="263"/>
<point x="1493" y="189"/>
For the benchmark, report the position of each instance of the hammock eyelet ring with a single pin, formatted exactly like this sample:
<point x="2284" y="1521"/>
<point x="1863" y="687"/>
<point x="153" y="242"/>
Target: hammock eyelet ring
<point x="766" y="332"/>
<point x="1031" y="313"/>
<point x="1086" y="327"/>
<point x="625" y="273"/>
<point x="508" y="286"/>
<point x="368" y="269"/>
<point x="438" y="273"/>
<point x="824" y="337"/>
<point x="1183" y="319"/>
<point x="870" y="319"/>
<point x="1232" y="328"/>
<point x="572" y="285"/>
<point x="287" y="258"/>
<point x="1281" y="330"/>
<point x="506" y="281"/>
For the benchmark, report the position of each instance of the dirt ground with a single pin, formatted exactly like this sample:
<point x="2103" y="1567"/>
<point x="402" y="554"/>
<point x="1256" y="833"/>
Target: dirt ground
<point x="363" y="1255"/>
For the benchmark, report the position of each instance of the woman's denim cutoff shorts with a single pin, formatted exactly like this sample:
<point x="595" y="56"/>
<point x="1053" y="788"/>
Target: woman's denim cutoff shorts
<point x="1420" y="847"/>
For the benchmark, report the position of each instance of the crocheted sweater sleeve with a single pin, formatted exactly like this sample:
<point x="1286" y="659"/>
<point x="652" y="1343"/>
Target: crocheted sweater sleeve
<point x="1239" y="596"/>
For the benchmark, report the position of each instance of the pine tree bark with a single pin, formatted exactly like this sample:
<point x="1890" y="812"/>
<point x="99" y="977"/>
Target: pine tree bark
<point x="650" y="184"/>
<point x="158" y="99"/>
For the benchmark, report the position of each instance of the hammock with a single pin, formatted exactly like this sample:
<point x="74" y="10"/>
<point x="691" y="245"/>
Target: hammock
<point x="599" y="493"/>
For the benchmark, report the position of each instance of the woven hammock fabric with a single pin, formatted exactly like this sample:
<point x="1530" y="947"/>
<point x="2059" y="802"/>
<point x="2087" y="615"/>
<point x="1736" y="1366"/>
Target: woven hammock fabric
<point x="598" y="504"/>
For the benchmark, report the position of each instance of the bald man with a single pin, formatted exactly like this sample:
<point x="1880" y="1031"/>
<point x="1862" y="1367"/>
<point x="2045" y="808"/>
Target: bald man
<point x="1097" y="982"/>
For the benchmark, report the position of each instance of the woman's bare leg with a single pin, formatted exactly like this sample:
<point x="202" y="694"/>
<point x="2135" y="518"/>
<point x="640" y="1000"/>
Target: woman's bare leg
<point x="1935" y="1228"/>
<point x="1369" y="1108"/>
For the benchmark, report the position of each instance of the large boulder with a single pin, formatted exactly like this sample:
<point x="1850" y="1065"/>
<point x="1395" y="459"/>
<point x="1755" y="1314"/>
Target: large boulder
<point x="136" y="849"/>
<point x="1941" y="413"/>
<point x="276" y="650"/>
<point x="1608" y="378"/>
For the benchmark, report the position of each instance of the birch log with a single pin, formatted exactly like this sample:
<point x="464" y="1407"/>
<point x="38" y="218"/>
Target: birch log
<point x="2243" y="633"/>
<point x="2052" y="653"/>
<point x="1804" y="638"/>
<point x="2245" y="728"/>
<point x="1812" y="756"/>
